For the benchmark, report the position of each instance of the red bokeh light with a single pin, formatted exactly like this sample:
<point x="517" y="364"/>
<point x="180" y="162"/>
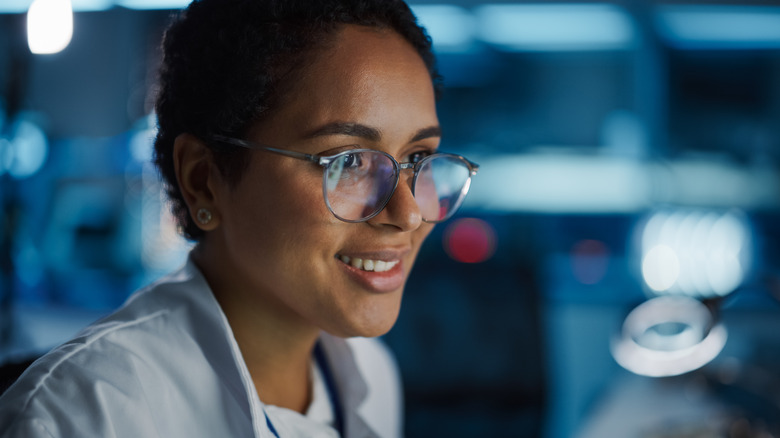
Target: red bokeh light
<point x="589" y="261"/>
<point x="470" y="240"/>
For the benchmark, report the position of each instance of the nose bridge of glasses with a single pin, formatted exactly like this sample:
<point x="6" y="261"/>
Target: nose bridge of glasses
<point x="413" y="167"/>
<point x="409" y="175"/>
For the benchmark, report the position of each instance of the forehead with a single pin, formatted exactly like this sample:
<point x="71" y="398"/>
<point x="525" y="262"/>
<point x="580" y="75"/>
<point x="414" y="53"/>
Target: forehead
<point x="362" y="75"/>
<point x="353" y="49"/>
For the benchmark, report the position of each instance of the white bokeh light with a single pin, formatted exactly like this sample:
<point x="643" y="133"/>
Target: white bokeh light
<point x="49" y="26"/>
<point x="660" y="268"/>
<point x="698" y="253"/>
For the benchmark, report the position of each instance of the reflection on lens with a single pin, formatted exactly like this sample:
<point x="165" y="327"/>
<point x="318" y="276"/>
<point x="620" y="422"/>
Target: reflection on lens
<point x="359" y="184"/>
<point x="333" y="174"/>
<point x="425" y="194"/>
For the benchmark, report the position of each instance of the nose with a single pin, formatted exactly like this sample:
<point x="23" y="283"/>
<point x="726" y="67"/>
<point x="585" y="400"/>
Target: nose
<point x="402" y="211"/>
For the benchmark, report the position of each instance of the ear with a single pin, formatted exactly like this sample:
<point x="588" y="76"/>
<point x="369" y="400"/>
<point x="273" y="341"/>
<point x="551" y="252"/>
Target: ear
<point x="197" y="176"/>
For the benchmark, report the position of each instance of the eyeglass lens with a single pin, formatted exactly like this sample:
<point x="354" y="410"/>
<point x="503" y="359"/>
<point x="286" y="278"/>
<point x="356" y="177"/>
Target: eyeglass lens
<point x="358" y="185"/>
<point x="441" y="186"/>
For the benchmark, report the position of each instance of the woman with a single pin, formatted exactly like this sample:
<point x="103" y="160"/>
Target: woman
<point x="281" y="126"/>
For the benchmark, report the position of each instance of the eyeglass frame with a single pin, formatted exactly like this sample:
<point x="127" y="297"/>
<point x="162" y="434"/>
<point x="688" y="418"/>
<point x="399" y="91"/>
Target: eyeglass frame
<point x="326" y="160"/>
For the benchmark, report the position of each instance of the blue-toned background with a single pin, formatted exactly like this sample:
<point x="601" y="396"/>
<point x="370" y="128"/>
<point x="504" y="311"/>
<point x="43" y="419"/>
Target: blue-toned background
<point x="629" y="151"/>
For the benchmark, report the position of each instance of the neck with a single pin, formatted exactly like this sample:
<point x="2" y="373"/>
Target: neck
<point x="277" y="346"/>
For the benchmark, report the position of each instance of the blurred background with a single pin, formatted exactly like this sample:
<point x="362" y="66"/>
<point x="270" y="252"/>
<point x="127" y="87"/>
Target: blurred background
<point x="615" y="271"/>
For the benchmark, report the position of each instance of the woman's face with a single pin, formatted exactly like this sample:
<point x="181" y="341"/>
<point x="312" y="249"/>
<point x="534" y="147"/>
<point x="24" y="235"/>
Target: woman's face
<point x="279" y="245"/>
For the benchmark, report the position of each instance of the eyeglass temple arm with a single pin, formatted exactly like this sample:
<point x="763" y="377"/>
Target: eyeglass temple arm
<point x="251" y="145"/>
<point x="473" y="167"/>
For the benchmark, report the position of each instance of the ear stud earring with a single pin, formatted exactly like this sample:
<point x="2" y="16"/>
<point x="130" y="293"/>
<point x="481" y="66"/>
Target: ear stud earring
<point x="203" y="216"/>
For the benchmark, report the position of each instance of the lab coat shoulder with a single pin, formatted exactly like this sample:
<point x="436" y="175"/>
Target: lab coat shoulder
<point x="86" y="387"/>
<point x="131" y="375"/>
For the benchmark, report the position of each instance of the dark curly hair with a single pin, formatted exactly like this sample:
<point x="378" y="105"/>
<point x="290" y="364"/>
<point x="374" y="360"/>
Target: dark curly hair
<point x="226" y="64"/>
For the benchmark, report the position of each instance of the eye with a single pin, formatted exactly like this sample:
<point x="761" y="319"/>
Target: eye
<point x="352" y="160"/>
<point x="416" y="157"/>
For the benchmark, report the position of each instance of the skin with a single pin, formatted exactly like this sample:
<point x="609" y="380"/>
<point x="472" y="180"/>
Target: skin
<point x="270" y="251"/>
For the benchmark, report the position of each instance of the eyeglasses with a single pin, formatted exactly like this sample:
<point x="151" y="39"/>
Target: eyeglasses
<point x="357" y="184"/>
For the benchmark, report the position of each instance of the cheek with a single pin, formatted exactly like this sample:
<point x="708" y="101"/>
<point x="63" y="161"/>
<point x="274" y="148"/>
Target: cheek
<point x="290" y="194"/>
<point x="269" y="212"/>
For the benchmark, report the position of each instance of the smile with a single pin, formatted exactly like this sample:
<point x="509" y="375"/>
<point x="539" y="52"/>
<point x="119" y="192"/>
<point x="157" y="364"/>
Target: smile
<point x="369" y="265"/>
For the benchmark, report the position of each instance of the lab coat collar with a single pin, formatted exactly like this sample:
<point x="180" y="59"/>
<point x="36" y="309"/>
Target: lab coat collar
<point x="352" y="388"/>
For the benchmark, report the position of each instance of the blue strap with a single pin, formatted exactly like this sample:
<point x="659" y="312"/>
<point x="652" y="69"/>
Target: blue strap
<point x="330" y="384"/>
<point x="270" y="425"/>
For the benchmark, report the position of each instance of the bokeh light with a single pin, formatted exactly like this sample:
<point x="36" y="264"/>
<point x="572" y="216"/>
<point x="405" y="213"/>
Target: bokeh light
<point x="589" y="261"/>
<point x="470" y="240"/>
<point x="49" y="26"/>
<point x="699" y="253"/>
<point x="660" y="268"/>
<point x="24" y="151"/>
<point x="30" y="149"/>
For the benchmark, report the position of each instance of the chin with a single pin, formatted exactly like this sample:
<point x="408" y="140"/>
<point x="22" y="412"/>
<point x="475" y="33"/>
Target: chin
<point x="370" y="326"/>
<point x="376" y="331"/>
<point x="372" y="331"/>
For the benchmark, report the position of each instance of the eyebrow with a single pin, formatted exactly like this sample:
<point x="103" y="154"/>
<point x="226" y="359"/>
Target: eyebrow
<point x="368" y="132"/>
<point x="429" y="132"/>
<point x="345" y="128"/>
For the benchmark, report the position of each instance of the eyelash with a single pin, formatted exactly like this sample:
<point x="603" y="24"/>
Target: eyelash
<point x="412" y="157"/>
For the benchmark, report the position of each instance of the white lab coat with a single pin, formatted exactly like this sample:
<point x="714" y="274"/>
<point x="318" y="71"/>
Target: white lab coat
<point x="166" y="364"/>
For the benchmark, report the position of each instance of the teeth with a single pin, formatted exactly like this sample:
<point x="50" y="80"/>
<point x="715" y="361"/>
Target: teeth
<point x="369" y="265"/>
<point x="386" y="266"/>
